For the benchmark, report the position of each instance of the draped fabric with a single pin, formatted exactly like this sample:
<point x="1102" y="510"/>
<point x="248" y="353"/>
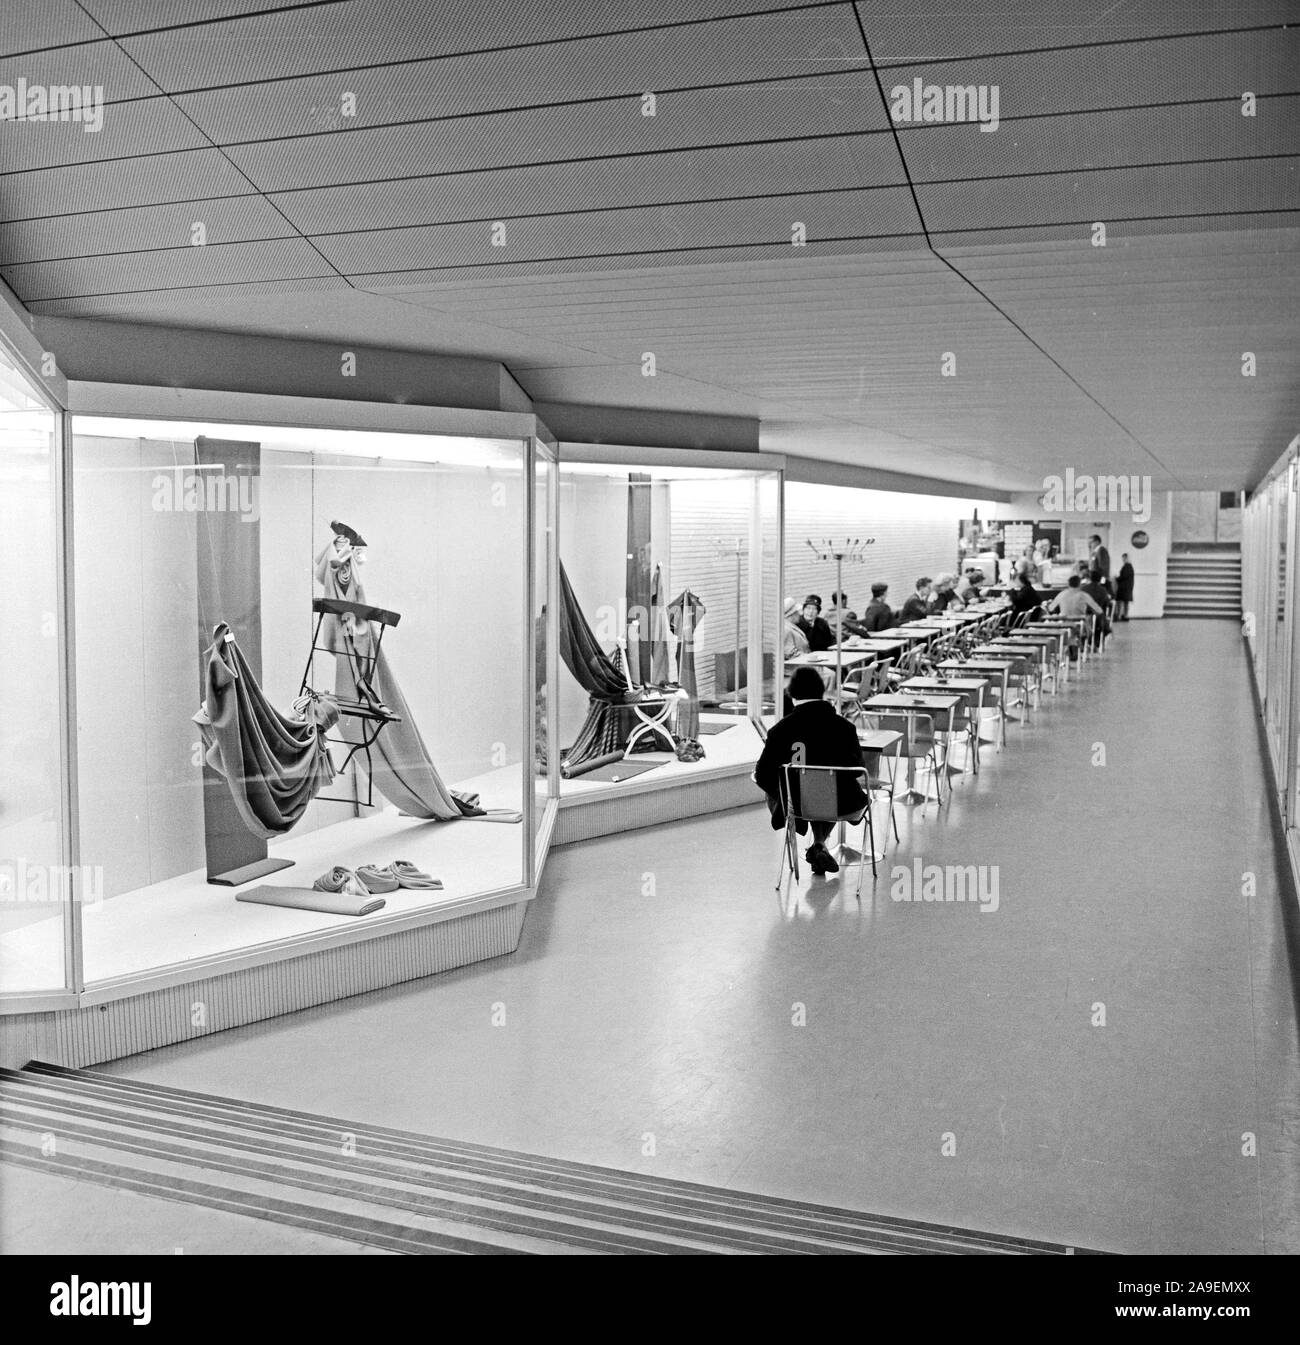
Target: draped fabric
<point x="402" y="768"/>
<point x="603" y="732"/>
<point x="274" y="764"/>
<point x="583" y="657"/>
<point x="684" y="614"/>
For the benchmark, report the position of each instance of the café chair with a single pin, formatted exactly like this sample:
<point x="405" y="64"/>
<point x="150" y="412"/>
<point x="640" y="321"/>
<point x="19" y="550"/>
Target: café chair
<point x="811" y="794"/>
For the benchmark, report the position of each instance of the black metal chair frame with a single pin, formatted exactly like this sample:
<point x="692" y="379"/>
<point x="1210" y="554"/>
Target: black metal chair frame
<point x="372" y="717"/>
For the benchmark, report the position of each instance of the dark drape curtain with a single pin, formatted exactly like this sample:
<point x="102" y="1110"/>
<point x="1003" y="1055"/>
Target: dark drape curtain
<point x="273" y="764"/>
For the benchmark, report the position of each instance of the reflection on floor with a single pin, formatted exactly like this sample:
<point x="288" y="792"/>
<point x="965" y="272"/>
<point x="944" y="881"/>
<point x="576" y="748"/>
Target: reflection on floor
<point x="186" y="917"/>
<point x="736" y="746"/>
<point x="819" y="1048"/>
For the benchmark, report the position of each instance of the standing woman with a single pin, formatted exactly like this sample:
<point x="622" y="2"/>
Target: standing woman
<point x="1123" y="589"/>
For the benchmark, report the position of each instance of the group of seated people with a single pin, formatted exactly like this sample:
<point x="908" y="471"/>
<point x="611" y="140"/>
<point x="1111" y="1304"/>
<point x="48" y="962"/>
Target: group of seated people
<point x="808" y="631"/>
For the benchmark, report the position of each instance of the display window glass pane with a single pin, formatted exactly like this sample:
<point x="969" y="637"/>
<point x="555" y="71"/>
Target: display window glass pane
<point x="545" y="763"/>
<point x="669" y="597"/>
<point x="35" y="885"/>
<point x="300" y="663"/>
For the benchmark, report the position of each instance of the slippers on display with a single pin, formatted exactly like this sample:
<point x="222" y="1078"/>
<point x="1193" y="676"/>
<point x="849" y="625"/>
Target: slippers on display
<point x="407" y="875"/>
<point x="376" y="879"/>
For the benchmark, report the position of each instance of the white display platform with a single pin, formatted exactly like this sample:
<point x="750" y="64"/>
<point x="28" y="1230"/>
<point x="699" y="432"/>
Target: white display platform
<point x="187" y="918"/>
<point x="735" y="750"/>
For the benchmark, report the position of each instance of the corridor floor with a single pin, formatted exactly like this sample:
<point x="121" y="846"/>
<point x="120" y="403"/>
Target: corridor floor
<point x="668" y="1012"/>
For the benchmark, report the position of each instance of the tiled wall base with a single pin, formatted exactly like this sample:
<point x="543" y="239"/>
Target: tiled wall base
<point x="90" y="1036"/>
<point x="584" y="817"/>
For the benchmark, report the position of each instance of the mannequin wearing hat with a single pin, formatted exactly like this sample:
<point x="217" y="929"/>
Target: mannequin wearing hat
<point x="337" y="568"/>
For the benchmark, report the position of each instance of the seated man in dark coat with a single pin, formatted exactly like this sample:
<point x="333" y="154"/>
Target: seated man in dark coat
<point x="813" y="734"/>
<point x="918" y="605"/>
<point x="878" y="615"/>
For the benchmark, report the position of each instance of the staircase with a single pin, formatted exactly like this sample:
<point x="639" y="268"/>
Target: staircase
<point x="405" y="1192"/>
<point x="1204" y="581"/>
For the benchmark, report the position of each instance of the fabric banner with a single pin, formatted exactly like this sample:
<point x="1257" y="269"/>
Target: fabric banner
<point x="229" y="574"/>
<point x="638" y="574"/>
<point x="684" y="615"/>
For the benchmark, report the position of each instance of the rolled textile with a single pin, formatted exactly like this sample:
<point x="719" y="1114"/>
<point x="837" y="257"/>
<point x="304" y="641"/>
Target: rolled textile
<point x="274" y="764"/>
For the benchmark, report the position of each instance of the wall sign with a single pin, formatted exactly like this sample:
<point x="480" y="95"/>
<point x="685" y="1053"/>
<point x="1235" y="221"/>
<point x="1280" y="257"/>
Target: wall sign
<point x="1139" y="539"/>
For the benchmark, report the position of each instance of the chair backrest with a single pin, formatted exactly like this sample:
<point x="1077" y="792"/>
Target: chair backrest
<point x="812" y="792"/>
<point x="917" y="730"/>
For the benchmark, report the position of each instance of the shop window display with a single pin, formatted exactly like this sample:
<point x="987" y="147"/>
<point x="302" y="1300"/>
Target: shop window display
<point x="668" y="597"/>
<point x="36" y="882"/>
<point x="301" y="672"/>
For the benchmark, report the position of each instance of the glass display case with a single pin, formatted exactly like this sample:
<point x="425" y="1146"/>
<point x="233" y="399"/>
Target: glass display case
<point x="304" y="681"/>
<point x="37" y="881"/>
<point x="669" y="612"/>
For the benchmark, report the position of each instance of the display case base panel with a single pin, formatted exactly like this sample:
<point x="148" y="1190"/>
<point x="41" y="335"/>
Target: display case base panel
<point x="187" y="918"/>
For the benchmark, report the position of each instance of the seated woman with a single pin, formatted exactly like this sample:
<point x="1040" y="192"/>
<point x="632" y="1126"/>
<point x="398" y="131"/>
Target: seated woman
<point x="814" y="626"/>
<point x="1024" y="596"/>
<point x="945" y="594"/>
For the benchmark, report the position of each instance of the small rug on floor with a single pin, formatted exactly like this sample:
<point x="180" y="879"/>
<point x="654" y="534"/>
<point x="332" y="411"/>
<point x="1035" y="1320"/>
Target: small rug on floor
<point x="620" y="770"/>
<point x="707" y="729"/>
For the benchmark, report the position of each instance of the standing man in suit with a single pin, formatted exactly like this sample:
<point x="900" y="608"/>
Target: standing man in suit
<point x="1099" y="557"/>
<point x="812" y="734"/>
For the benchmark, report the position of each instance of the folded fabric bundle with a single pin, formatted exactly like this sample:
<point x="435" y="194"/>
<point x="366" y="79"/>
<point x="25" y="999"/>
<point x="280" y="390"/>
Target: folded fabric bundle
<point x="405" y="874"/>
<point x="375" y="879"/>
<point x="313" y="899"/>
<point x="339" y="879"/>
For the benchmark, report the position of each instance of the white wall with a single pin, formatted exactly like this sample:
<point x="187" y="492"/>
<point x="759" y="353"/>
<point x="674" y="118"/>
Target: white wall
<point x="915" y="535"/>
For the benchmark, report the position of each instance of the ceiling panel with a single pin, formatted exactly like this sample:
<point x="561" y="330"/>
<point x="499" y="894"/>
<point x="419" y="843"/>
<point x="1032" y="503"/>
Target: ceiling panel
<point x="903" y="31"/>
<point x="842" y="163"/>
<point x="176" y="308"/>
<point x="92" y="63"/>
<point x="227" y="220"/>
<point x="1188" y="131"/>
<point x="1113" y="194"/>
<point x="151" y="127"/>
<point x="128" y="271"/>
<point x="828" y="104"/>
<point x="883" y="211"/>
<point x="131" y="16"/>
<point x="625" y="65"/>
<point x="30" y="25"/>
<point x="1136" y="75"/>
<point x="359" y="33"/>
<point x="118" y="183"/>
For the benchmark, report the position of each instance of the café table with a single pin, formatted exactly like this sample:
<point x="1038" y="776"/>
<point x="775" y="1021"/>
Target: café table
<point x="997" y="669"/>
<point x="972" y="689"/>
<point x="934" y="705"/>
<point x="1032" y="655"/>
<point x="1049" y="643"/>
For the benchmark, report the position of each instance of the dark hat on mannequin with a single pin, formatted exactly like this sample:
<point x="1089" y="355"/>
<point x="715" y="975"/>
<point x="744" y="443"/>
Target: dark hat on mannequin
<point x="352" y="535"/>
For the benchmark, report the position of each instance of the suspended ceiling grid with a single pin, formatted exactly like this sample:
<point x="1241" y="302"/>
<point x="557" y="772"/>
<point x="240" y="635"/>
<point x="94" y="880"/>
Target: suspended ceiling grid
<point x="627" y="234"/>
